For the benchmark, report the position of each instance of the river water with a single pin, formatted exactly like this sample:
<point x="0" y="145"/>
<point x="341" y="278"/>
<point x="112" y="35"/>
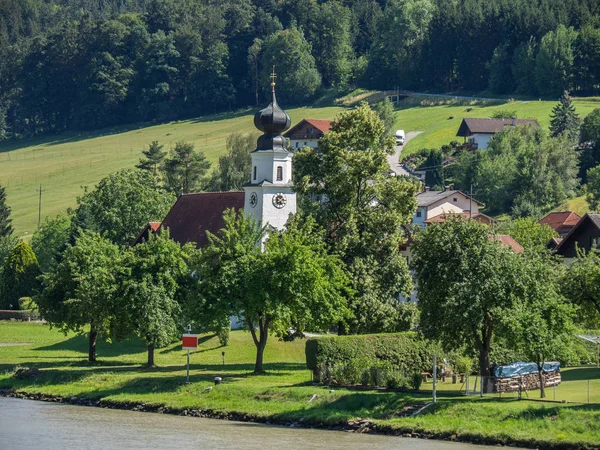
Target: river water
<point x="27" y="424"/>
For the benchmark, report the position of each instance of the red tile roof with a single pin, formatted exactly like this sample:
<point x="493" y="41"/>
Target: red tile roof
<point x="154" y="225"/>
<point x="561" y="222"/>
<point x="507" y="241"/>
<point x="320" y="124"/>
<point x="193" y="215"/>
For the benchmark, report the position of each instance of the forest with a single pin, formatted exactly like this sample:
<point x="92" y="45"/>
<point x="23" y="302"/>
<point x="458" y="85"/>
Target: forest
<point x="87" y="64"/>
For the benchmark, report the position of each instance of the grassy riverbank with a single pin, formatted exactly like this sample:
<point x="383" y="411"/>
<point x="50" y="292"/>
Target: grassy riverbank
<point x="282" y="394"/>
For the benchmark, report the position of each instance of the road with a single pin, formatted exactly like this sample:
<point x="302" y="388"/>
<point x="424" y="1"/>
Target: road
<point x="393" y="160"/>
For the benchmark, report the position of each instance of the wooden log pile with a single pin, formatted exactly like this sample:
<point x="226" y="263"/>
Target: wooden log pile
<point x="527" y="382"/>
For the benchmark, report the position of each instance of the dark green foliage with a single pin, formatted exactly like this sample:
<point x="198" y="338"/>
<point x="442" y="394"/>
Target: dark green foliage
<point x="401" y="352"/>
<point x="223" y="335"/>
<point x="564" y="121"/>
<point x="416" y="380"/>
<point x="23" y="314"/>
<point x="434" y="175"/>
<point x="19" y="276"/>
<point x="5" y="221"/>
<point x="233" y="169"/>
<point x="186" y="169"/>
<point x="50" y="240"/>
<point x="121" y="204"/>
<point x="153" y="158"/>
<point x="590" y="128"/>
<point x="90" y="64"/>
<point x="385" y="111"/>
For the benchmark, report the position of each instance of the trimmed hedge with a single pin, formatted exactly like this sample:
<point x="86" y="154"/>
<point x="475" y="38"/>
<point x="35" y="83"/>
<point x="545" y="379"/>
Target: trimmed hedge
<point x="23" y="314"/>
<point x="367" y="359"/>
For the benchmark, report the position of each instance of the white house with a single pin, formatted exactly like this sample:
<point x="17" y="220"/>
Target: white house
<point x="434" y="203"/>
<point x="478" y="132"/>
<point x="307" y="133"/>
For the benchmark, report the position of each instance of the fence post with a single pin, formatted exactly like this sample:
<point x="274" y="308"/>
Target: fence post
<point x="588" y="391"/>
<point x="481" y="386"/>
<point x="554" y="391"/>
<point x="467" y="384"/>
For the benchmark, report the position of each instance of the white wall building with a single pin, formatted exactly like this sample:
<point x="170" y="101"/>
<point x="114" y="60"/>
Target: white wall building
<point x="478" y="132"/>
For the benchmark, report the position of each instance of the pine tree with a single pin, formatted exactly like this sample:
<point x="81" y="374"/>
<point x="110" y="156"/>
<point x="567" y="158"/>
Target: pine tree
<point x="564" y="121"/>
<point x="186" y="169"/>
<point x="154" y="158"/>
<point x="6" y="228"/>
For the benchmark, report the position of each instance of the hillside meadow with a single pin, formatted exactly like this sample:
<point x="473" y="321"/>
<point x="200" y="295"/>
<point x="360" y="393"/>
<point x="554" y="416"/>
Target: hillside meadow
<point x="282" y="394"/>
<point x="62" y="164"/>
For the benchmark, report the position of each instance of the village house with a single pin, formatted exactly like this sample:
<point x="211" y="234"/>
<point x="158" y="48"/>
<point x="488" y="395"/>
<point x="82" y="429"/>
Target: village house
<point x="431" y="204"/>
<point x="307" y="133"/>
<point x="562" y="222"/>
<point x="585" y="235"/>
<point x="478" y="132"/>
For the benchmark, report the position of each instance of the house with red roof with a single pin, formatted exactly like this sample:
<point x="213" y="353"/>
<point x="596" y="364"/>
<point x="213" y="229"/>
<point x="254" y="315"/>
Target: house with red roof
<point x="307" y="133"/>
<point x="561" y="221"/>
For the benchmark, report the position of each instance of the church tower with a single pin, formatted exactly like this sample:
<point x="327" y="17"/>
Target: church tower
<point x="269" y="197"/>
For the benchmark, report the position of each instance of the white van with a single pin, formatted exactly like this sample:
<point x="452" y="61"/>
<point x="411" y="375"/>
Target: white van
<point x="399" y="137"/>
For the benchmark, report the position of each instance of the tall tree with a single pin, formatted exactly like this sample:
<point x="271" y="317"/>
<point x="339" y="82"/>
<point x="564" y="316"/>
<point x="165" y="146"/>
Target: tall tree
<point x="587" y="60"/>
<point x="290" y="54"/>
<point x="539" y="322"/>
<point x="79" y="292"/>
<point x="434" y="175"/>
<point x="186" y="169"/>
<point x="465" y="284"/>
<point x="18" y="276"/>
<point x="149" y="284"/>
<point x="523" y="66"/>
<point x="233" y="169"/>
<point x="564" y="121"/>
<point x="153" y="158"/>
<point x="293" y="283"/>
<point x="589" y="144"/>
<point x="528" y="232"/>
<point x="554" y="61"/>
<point x="581" y="285"/>
<point x="385" y="111"/>
<point x="364" y="212"/>
<point x="49" y="240"/>
<point x="121" y="204"/>
<point x="5" y="221"/>
<point x="593" y="188"/>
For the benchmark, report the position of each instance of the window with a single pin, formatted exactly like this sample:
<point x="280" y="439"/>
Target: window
<point x="305" y="144"/>
<point x="297" y="144"/>
<point x="254" y="175"/>
<point x="454" y="199"/>
<point x="279" y="173"/>
<point x="418" y="213"/>
<point x="595" y="241"/>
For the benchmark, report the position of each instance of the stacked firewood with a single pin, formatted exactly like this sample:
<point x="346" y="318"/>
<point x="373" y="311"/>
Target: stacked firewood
<point x="526" y="382"/>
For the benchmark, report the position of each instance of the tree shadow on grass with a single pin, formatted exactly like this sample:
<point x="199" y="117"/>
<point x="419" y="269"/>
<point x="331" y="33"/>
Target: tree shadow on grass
<point x="104" y="349"/>
<point x="534" y="412"/>
<point x="580" y="374"/>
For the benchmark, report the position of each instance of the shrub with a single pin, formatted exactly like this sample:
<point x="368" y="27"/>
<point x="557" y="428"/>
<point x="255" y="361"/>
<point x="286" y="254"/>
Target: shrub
<point x="394" y="381"/>
<point x="368" y="355"/>
<point x="10" y="314"/>
<point x="416" y="380"/>
<point x="223" y="335"/>
<point x="18" y="276"/>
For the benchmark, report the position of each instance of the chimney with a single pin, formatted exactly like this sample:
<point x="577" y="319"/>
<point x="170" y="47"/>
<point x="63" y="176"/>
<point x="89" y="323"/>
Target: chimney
<point x="427" y="188"/>
<point x="446" y="188"/>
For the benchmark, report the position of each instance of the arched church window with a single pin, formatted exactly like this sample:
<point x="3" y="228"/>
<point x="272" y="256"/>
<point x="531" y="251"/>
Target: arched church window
<point x="254" y="174"/>
<point x="279" y="173"/>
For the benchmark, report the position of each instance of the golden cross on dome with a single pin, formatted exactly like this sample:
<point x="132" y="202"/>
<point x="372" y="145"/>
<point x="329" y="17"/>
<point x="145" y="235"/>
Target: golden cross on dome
<point x="273" y="76"/>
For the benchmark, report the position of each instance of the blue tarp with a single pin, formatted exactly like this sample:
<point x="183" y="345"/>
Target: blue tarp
<point x="523" y="368"/>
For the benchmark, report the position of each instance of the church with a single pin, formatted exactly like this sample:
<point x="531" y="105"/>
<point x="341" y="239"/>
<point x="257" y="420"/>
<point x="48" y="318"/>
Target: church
<point x="268" y="197"/>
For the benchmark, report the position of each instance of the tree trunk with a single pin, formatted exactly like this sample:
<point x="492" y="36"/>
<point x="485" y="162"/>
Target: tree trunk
<point x="260" y="342"/>
<point x="92" y="344"/>
<point x="541" y="376"/>
<point x="150" y="355"/>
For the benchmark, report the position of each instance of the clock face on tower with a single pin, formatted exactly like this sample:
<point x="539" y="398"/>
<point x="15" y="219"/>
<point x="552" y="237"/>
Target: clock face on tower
<point x="279" y="200"/>
<point x="253" y="199"/>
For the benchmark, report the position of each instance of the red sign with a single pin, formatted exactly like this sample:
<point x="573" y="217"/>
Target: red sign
<point x="189" y="342"/>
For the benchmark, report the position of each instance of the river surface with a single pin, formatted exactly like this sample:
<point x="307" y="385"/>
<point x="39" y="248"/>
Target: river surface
<point x="28" y="424"/>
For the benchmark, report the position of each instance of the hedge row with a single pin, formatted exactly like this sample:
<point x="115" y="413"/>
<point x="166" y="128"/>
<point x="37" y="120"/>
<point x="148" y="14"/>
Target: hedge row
<point x="23" y="314"/>
<point x="358" y="359"/>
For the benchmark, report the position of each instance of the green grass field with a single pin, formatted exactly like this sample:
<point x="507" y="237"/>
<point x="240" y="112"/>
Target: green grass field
<point x="64" y="163"/>
<point x="439" y="124"/>
<point x="283" y="393"/>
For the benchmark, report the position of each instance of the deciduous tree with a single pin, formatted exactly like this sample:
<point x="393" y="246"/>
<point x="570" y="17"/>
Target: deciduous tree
<point x="233" y="169"/>
<point x="80" y="291"/>
<point x="5" y="220"/>
<point x="581" y="285"/>
<point x="50" y="240"/>
<point x="18" y="277"/>
<point x="528" y="232"/>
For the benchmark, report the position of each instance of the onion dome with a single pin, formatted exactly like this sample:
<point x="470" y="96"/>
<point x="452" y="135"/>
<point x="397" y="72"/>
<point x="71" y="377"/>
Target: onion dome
<point x="272" y="121"/>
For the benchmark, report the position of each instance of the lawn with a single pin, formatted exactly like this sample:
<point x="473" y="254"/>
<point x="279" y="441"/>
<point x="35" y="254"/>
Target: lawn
<point x="282" y="394"/>
<point x="439" y="124"/>
<point x="63" y="163"/>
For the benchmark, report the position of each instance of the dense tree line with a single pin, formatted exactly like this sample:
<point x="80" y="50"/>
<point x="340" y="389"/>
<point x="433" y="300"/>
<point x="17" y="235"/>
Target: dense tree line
<point x="86" y="64"/>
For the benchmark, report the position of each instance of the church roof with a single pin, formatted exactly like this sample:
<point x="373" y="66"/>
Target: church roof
<point x="193" y="215"/>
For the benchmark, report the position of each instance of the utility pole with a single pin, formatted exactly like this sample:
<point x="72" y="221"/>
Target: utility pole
<point x="40" y="207"/>
<point x="471" y="202"/>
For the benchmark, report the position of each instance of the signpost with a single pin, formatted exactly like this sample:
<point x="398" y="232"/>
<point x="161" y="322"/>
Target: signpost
<point x="189" y="342"/>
